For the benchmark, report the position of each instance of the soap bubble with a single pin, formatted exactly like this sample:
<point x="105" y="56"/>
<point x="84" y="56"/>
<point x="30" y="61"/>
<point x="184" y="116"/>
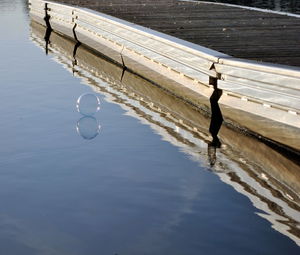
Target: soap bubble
<point x="88" y="127"/>
<point x="88" y="104"/>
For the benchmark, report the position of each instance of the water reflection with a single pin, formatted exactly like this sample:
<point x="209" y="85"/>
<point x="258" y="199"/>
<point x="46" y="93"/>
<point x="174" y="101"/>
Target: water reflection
<point x="74" y="63"/>
<point x="47" y="39"/>
<point x="270" y="180"/>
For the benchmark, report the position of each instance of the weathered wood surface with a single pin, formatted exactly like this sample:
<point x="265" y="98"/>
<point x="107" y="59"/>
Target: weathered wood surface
<point x="238" y="32"/>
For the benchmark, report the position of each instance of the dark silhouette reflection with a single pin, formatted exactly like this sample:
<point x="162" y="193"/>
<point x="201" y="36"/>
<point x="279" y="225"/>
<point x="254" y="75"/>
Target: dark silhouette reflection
<point x="74" y="62"/>
<point x="47" y="39"/>
<point x="124" y="68"/>
<point x="215" y="125"/>
<point x="76" y="46"/>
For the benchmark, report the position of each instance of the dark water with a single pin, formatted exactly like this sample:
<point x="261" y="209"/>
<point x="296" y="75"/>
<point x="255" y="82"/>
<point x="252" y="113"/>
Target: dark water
<point x="141" y="184"/>
<point x="292" y="6"/>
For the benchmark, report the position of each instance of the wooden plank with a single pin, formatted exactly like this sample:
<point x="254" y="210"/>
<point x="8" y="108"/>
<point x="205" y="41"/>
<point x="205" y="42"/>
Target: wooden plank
<point x="239" y="32"/>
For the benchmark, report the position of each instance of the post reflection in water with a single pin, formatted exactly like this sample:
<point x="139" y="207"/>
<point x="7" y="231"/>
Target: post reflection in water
<point x="47" y="39"/>
<point x="215" y="125"/>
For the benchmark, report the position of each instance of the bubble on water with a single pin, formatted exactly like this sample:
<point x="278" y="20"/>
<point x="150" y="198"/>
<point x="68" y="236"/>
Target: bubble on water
<point x="88" y="127"/>
<point x="88" y="104"/>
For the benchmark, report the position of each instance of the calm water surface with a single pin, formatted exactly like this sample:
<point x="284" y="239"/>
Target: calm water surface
<point x="132" y="187"/>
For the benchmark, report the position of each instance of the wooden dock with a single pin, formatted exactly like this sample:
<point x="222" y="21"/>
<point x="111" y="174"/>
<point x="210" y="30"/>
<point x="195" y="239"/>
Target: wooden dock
<point x="238" y="32"/>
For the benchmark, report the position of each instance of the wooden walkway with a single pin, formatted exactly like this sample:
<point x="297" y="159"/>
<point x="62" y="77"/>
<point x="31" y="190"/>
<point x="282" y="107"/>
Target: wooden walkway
<point x="238" y="32"/>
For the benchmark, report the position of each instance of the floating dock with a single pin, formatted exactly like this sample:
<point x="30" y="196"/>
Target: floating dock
<point x="245" y="32"/>
<point x="260" y="97"/>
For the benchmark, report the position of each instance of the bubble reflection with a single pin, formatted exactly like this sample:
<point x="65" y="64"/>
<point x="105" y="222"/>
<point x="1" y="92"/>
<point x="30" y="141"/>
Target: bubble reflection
<point x="88" y="127"/>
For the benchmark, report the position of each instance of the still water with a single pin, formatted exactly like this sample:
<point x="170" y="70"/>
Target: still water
<point x="97" y="161"/>
<point x="292" y="6"/>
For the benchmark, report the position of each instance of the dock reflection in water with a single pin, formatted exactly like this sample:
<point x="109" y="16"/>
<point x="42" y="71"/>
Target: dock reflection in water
<point x="270" y="180"/>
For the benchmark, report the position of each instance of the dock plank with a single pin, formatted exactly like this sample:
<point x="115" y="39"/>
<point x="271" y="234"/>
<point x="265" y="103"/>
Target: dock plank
<point x="238" y="32"/>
